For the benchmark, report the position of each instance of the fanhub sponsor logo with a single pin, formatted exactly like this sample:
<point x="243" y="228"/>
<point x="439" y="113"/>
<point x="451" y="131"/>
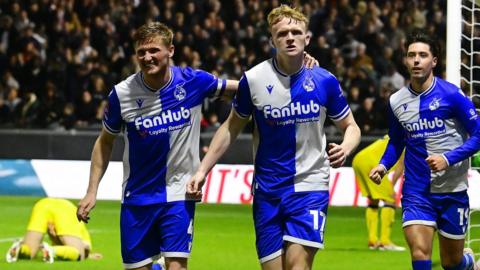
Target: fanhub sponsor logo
<point x="295" y="109"/>
<point x="164" y="120"/>
<point x="424" y="124"/>
<point x="425" y="128"/>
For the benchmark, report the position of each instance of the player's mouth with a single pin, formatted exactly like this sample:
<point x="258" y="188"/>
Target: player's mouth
<point x="149" y="65"/>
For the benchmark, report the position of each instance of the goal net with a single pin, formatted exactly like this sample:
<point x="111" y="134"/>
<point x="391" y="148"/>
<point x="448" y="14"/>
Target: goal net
<point x="470" y="56"/>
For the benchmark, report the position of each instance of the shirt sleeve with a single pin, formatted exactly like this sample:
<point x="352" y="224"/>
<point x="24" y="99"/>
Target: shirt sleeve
<point x="112" y="118"/>
<point x="211" y="84"/>
<point x="464" y="111"/>
<point x="396" y="144"/>
<point x="242" y="102"/>
<point x="337" y="106"/>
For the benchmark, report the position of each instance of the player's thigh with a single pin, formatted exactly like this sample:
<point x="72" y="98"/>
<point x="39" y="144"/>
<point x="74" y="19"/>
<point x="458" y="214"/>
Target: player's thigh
<point x="274" y="264"/>
<point x="305" y="218"/>
<point x="140" y="238"/>
<point x="420" y="241"/>
<point x="360" y="168"/>
<point x="418" y="210"/>
<point x="454" y="211"/>
<point x="176" y="228"/>
<point x="63" y="213"/>
<point x="452" y="224"/>
<point x="268" y="229"/>
<point x="419" y="224"/>
<point x="39" y="217"/>
<point x="299" y="256"/>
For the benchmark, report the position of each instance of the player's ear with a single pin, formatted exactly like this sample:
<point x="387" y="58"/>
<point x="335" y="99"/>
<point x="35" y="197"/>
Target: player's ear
<point x="308" y="37"/>
<point x="434" y="62"/>
<point x="171" y="51"/>
<point x="270" y="41"/>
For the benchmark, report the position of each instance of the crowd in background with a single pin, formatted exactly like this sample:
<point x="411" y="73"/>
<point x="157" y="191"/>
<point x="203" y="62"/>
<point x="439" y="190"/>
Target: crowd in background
<point x="60" y="58"/>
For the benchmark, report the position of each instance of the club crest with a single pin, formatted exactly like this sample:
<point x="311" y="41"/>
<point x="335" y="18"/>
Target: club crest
<point x="308" y="84"/>
<point x="434" y="104"/>
<point x="179" y="92"/>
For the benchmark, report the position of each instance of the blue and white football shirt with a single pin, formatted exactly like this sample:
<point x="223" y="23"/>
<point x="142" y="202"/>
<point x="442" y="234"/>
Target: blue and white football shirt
<point x="436" y="121"/>
<point x="161" y="130"/>
<point x="289" y="113"/>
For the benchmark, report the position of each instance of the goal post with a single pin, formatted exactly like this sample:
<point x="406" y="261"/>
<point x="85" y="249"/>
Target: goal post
<point x="454" y="41"/>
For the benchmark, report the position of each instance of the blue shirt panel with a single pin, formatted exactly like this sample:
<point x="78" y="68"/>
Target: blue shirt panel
<point x="148" y="136"/>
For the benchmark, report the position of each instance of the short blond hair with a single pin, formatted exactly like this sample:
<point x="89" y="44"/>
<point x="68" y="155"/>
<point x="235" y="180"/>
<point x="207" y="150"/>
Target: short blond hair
<point x="284" y="11"/>
<point x="150" y="31"/>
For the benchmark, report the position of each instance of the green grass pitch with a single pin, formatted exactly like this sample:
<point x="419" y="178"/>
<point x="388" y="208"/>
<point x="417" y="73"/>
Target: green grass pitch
<point x="224" y="239"/>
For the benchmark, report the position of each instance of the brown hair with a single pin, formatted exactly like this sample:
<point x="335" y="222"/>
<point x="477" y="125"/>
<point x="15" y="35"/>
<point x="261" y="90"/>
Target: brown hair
<point x="284" y="11"/>
<point x="421" y="35"/>
<point x="151" y="30"/>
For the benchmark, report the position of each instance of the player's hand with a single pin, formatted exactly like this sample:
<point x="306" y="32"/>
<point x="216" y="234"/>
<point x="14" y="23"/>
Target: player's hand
<point x="336" y="155"/>
<point x="85" y="206"/>
<point x="377" y="173"/>
<point x="195" y="184"/>
<point x="436" y="163"/>
<point x="310" y="62"/>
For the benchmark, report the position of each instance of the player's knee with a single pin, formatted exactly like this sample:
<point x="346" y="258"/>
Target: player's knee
<point x="419" y="254"/>
<point x="176" y="263"/>
<point x="451" y="262"/>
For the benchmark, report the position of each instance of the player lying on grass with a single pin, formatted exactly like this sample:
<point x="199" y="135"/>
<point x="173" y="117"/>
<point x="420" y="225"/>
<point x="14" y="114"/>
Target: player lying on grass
<point x="70" y="240"/>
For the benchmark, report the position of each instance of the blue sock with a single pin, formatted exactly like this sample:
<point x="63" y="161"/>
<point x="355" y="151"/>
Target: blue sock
<point x="466" y="263"/>
<point x="156" y="266"/>
<point x="422" y="265"/>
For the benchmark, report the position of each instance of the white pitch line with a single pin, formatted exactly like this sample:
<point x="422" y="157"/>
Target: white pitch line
<point x="3" y="240"/>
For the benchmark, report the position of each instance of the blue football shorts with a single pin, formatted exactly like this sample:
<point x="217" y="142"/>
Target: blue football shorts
<point x="447" y="212"/>
<point x="298" y="218"/>
<point x="150" y="231"/>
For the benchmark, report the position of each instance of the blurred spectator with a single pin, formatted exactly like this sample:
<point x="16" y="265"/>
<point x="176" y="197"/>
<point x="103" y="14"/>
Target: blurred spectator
<point x="82" y="45"/>
<point x="11" y="104"/>
<point x="27" y="111"/>
<point x="380" y="107"/>
<point x="392" y="78"/>
<point x="51" y="107"/>
<point x="366" y="117"/>
<point x="88" y="112"/>
<point x="68" y="119"/>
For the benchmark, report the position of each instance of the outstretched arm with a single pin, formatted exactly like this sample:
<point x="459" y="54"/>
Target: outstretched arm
<point x="102" y="150"/>
<point x="337" y="154"/>
<point x="224" y="136"/>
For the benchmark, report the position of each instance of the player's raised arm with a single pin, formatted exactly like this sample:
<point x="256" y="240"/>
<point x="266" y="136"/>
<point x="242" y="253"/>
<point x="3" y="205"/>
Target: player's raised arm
<point x="222" y="139"/>
<point x="337" y="154"/>
<point x="102" y="150"/>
